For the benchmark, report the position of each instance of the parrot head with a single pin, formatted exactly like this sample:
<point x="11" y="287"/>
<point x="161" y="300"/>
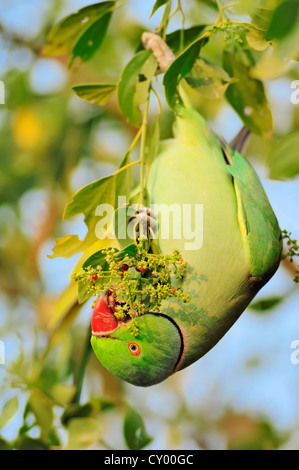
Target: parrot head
<point x="143" y="351"/>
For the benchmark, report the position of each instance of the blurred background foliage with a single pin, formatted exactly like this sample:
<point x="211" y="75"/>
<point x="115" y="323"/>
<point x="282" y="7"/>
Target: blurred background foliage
<point x="244" y="393"/>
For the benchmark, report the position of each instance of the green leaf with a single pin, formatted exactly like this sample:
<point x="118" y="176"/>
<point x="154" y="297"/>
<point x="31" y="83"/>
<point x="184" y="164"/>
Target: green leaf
<point x="133" y="88"/>
<point x="63" y="393"/>
<point x="83" y="294"/>
<point x="275" y="59"/>
<point x="65" y="36"/>
<point x="97" y="259"/>
<point x="209" y="79"/>
<point x="92" y="39"/>
<point x="179" y="69"/>
<point x="158" y="4"/>
<point x="255" y="37"/>
<point x="86" y="201"/>
<point x="173" y="40"/>
<point x="247" y="94"/>
<point x="95" y="94"/>
<point x="8" y="411"/>
<point x="284" y="161"/>
<point x="261" y="18"/>
<point x="4" y="445"/>
<point x="83" y="433"/>
<point x="106" y="405"/>
<point x="104" y="191"/>
<point x="266" y="304"/>
<point x="123" y="228"/>
<point x="283" y="19"/>
<point x="135" y="433"/>
<point x="30" y="443"/>
<point x="66" y="247"/>
<point x="129" y="250"/>
<point x="76" y="411"/>
<point x="42" y="408"/>
<point x="54" y="439"/>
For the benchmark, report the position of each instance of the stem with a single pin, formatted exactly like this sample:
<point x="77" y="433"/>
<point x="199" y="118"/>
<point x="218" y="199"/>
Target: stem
<point x="222" y="9"/>
<point x="177" y="10"/>
<point x="142" y="149"/>
<point x="183" y="27"/>
<point x="126" y="167"/>
<point x="164" y="20"/>
<point x="80" y="371"/>
<point x="158" y="100"/>
<point x="135" y="140"/>
<point x="147" y="174"/>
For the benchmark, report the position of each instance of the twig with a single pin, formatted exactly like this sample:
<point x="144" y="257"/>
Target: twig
<point x="80" y="371"/>
<point x="142" y="149"/>
<point x="239" y="142"/>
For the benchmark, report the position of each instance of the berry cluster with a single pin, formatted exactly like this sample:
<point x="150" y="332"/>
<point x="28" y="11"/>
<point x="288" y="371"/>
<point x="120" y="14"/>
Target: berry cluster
<point x="135" y="284"/>
<point x="292" y="249"/>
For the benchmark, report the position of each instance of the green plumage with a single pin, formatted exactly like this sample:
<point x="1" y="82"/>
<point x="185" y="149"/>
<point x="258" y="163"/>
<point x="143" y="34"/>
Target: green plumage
<point x="160" y="345"/>
<point x="241" y="237"/>
<point x="241" y="250"/>
<point x="263" y="240"/>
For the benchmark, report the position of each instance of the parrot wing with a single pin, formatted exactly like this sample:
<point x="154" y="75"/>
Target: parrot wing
<point x="258" y="224"/>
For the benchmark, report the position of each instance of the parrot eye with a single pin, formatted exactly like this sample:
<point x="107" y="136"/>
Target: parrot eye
<point x="134" y="349"/>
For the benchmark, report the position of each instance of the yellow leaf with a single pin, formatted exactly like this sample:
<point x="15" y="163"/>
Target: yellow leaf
<point x="67" y="302"/>
<point x="63" y="393"/>
<point x="83" y="433"/>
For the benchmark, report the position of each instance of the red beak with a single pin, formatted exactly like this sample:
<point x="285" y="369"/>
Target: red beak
<point x="103" y="320"/>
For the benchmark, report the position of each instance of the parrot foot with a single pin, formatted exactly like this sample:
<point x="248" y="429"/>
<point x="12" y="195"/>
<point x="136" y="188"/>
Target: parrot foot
<point x="144" y="218"/>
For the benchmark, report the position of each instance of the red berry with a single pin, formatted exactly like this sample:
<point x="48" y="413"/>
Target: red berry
<point x="95" y="277"/>
<point x="140" y="270"/>
<point x="125" y="267"/>
<point x="173" y="290"/>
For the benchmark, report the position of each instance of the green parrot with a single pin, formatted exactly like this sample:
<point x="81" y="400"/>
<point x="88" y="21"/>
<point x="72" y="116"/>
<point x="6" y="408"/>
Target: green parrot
<point x="240" y="251"/>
